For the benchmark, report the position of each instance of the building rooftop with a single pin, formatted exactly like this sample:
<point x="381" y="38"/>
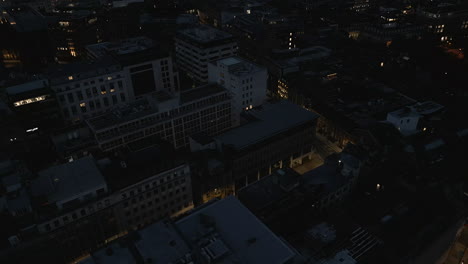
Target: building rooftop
<point x="268" y="120"/>
<point x="120" y="47"/>
<point x="60" y="74"/>
<point x="238" y="66"/>
<point x="221" y="231"/>
<point x="204" y="35"/>
<point x="200" y="92"/>
<point x="237" y="236"/>
<point x="269" y="189"/>
<point x="68" y="180"/>
<point x="147" y="107"/>
<point x="162" y="243"/>
<point x="26" y="87"/>
<point x="426" y="108"/>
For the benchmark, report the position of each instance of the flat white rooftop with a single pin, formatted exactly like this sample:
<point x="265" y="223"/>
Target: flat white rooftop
<point x="249" y="241"/>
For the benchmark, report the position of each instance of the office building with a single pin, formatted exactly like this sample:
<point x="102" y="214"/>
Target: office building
<point x="117" y="73"/>
<point x="246" y="82"/>
<point x="197" y="46"/>
<point x="172" y="118"/>
<point x="144" y="67"/>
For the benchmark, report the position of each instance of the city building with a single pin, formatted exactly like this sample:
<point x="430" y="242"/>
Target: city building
<point x="25" y="41"/>
<point x="172" y="118"/>
<point x="285" y="190"/>
<point x="197" y="46"/>
<point x="446" y="22"/>
<point x="14" y="200"/>
<point x="275" y="135"/>
<point x="86" y="89"/>
<point x="246" y="82"/>
<point x="117" y="73"/>
<point x="73" y="29"/>
<point x="34" y="105"/>
<point x="145" y="68"/>
<point x="410" y="119"/>
<point x="66" y="185"/>
<point x="209" y="234"/>
<point x="82" y="204"/>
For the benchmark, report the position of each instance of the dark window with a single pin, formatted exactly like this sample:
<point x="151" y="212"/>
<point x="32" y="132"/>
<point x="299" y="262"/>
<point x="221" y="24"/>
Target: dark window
<point x="79" y="95"/>
<point x="143" y="82"/>
<point x="70" y="98"/>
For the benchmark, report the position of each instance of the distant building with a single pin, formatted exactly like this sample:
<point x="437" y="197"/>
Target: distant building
<point x="197" y="46"/>
<point x="246" y="82"/>
<point x="72" y="30"/>
<point x="407" y="119"/>
<point x="446" y="22"/>
<point x="209" y="234"/>
<point x="25" y="41"/>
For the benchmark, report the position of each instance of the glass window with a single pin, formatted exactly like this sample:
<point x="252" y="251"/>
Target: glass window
<point x="70" y="98"/>
<point x="79" y="95"/>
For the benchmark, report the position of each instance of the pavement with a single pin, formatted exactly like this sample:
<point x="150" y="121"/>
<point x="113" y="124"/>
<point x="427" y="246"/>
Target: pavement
<point x="324" y="147"/>
<point x="458" y="253"/>
<point x="315" y="161"/>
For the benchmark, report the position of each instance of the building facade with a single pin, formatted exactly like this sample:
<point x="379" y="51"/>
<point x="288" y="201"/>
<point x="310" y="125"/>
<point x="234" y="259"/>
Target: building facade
<point x="117" y="73"/>
<point x="203" y="109"/>
<point x="197" y="46"/>
<point x="246" y="82"/>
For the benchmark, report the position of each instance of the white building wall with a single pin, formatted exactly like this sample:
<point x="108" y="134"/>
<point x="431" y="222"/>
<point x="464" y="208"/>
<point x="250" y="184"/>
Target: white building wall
<point x="248" y="90"/>
<point x="194" y="60"/>
<point x="404" y="123"/>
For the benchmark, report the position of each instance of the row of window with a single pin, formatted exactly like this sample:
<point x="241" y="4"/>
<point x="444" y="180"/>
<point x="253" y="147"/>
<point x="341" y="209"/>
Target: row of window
<point x="90" y="93"/>
<point x="86" y="83"/>
<point x="91" y="106"/>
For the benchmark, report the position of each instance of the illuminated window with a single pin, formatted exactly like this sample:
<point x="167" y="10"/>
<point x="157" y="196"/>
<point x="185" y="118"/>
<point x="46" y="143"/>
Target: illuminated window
<point x="29" y="101"/>
<point x="70" y="78"/>
<point x="82" y="104"/>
